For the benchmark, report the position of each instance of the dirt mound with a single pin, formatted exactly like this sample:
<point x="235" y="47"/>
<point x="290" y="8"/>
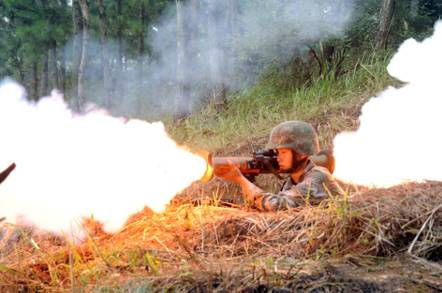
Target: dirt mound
<point x="239" y="244"/>
<point x="378" y="222"/>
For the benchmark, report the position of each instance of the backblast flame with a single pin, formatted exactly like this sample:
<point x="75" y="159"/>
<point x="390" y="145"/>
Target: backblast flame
<point x="73" y="166"/>
<point x="399" y="138"/>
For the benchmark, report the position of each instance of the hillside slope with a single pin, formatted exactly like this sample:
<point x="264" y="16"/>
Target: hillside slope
<point x="378" y="240"/>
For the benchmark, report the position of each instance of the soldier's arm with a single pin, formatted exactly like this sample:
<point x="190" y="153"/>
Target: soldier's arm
<point x="291" y="198"/>
<point x="316" y="186"/>
<point x="259" y="198"/>
<point x="266" y="201"/>
<point x="319" y="184"/>
<point x="249" y="189"/>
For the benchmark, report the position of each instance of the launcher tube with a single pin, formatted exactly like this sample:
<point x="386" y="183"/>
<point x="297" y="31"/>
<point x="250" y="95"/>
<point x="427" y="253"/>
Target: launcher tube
<point x="218" y="166"/>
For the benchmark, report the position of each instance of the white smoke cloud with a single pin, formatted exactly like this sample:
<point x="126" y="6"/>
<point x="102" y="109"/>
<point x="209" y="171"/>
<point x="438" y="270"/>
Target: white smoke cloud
<point x="399" y="138"/>
<point x="261" y="33"/>
<point x="72" y="166"/>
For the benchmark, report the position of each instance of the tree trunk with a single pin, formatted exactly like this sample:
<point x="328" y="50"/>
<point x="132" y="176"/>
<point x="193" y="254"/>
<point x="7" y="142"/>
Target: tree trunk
<point x="193" y="29"/>
<point x="85" y="37"/>
<point x="45" y="85"/>
<point x="16" y="60"/>
<point x="54" y="66"/>
<point x="182" y="106"/>
<point x="62" y="56"/>
<point x="21" y="72"/>
<point x="77" y="20"/>
<point x="120" y="35"/>
<point x="104" y="61"/>
<point x="216" y="58"/>
<point x="232" y="18"/>
<point x="118" y="86"/>
<point x="63" y="71"/>
<point x="385" y="16"/>
<point x="142" y="16"/>
<point x="232" y="31"/>
<point x="141" y="46"/>
<point x="192" y="48"/>
<point x="35" y="80"/>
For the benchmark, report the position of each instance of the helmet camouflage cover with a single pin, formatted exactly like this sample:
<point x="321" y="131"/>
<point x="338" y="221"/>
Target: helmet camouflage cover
<point x="297" y="135"/>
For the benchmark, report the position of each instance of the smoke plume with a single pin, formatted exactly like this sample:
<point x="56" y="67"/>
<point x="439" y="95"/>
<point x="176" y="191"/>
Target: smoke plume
<point x="399" y="138"/>
<point x="228" y="45"/>
<point x="72" y="166"/>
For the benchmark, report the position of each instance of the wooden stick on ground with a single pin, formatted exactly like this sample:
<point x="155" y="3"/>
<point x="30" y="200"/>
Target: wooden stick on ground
<point x="6" y="172"/>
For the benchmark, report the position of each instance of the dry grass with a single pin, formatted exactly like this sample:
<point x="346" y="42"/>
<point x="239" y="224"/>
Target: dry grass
<point x="169" y="248"/>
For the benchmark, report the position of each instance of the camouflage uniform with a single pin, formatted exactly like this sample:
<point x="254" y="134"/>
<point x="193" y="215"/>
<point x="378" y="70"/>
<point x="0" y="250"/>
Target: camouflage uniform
<point x="316" y="182"/>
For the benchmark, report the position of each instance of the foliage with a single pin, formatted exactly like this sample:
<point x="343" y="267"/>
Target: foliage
<point x="29" y="29"/>
<point x="408" y="21"/>
<point x="364" y="28"/>
<point x="414" y="22"/>
<point x="253" y="112"/>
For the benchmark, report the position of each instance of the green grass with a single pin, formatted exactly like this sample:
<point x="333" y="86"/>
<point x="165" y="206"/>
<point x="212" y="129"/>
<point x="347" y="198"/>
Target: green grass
<point x="252" y="113"/>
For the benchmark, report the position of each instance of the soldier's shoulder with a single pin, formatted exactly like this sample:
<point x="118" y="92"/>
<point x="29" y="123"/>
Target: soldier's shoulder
<point x="320" y="169"/>
<point x="321" y="172"/>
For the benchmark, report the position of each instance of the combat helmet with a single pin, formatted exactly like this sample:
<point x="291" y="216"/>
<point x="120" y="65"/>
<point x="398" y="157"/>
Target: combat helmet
<point x="297" y="135"/>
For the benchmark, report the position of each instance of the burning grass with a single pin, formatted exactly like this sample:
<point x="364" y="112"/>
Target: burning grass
<point x="213" y="245"/>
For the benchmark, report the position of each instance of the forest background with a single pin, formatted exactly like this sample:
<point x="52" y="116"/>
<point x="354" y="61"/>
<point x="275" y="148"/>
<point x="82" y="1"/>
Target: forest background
<point x="157" y="59"/>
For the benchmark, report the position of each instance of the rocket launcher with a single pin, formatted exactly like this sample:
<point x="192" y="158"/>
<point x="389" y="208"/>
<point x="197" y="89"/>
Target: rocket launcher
<point x="261" y="162"/>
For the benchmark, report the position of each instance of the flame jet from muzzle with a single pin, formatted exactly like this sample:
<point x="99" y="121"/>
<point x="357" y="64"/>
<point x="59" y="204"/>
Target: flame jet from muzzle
<point x="399" y="138"/>
<point x="71" y="166"/>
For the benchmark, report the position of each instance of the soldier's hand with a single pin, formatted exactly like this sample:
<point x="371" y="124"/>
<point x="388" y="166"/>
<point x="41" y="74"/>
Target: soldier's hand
<point x="232" y="174"/>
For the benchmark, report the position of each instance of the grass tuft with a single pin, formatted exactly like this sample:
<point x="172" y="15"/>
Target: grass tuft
<point x="253" y="112"/>
<point x="171" y="249"/>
